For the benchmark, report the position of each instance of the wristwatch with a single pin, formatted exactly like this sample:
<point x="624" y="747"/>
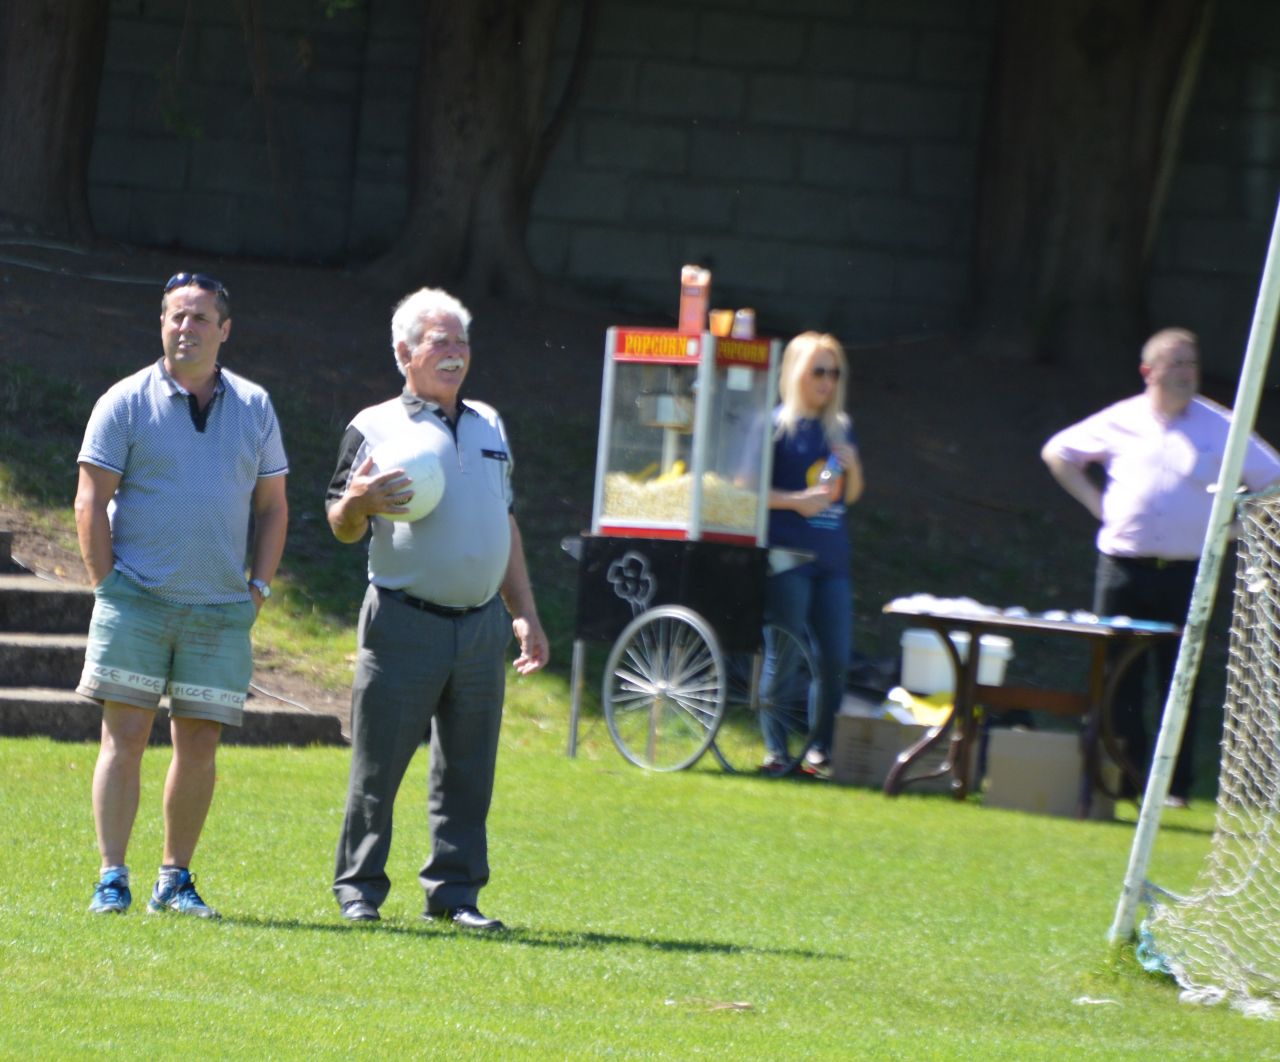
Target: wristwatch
<point x="262" y="586"/>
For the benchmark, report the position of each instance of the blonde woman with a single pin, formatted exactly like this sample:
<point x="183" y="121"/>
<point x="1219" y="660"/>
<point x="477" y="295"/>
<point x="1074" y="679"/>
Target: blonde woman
<point x="808" y="511"/>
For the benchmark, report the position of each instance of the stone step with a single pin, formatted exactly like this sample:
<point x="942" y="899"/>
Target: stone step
<point x="41" y="659"/>
<point x="40" y="711"/>
<point x="29" y="603"/>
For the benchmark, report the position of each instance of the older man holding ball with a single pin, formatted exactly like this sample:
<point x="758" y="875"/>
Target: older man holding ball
<point x="428" y="474"/>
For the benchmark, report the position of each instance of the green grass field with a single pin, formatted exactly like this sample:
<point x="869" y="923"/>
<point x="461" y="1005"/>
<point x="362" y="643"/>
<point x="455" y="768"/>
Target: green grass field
<point x="655" y="916"/>
<point x="673" y="916"/>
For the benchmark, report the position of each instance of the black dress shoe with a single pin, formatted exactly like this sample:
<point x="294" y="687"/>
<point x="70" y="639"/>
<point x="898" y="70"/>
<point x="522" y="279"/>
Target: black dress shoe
<point x="466" y="917"/>
<point x="360" y="911"/>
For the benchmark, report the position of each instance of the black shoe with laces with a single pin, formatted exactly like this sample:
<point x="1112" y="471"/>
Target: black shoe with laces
<point x="360" y="911"/>
<point x="465" y="917"/>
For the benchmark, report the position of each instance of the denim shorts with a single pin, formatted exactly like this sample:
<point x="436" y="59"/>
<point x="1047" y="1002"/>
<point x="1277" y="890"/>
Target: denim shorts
<point x="141" y="647"/>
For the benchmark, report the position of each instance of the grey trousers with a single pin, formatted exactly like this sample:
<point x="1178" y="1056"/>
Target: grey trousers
<point x="419" y="674"/>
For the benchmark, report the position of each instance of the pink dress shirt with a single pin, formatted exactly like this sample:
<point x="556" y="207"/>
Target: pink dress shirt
<point x="1157" y="499"/>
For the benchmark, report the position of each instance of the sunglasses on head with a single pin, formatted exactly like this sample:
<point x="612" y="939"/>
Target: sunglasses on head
<point x="200" y="280"/>
<point x="821" y="371"/>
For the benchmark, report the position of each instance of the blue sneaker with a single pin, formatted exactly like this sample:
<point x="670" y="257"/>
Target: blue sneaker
<point x="177" y="892"/>
<point x="111" y="895"/>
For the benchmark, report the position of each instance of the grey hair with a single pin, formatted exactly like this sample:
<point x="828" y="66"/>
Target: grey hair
<point x="406" y="318"/>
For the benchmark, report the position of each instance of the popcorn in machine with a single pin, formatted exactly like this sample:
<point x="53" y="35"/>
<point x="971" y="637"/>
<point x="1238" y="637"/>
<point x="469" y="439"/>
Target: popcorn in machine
<point x="673" y="570"/>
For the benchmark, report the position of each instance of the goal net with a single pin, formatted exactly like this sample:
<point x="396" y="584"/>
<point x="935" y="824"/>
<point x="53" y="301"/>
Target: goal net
<point x="1222" y="941"/>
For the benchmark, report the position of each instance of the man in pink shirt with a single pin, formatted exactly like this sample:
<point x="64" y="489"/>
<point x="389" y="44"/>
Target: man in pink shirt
<point x="1162" y="451"/>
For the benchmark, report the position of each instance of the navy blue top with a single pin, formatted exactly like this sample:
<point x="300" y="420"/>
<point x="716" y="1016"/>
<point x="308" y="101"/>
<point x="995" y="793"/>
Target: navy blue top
<point x="798" y="459"/>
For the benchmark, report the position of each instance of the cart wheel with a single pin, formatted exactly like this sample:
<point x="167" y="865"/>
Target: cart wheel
<point x="664" y="688"/>
<point x="788" y="700"/>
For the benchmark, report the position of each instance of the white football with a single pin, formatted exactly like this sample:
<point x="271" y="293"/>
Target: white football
<point x="425" y="475"/>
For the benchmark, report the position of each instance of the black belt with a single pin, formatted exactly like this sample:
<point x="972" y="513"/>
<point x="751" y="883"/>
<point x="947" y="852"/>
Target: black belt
<point x="1159" y="563"/>
<point x="448" y="611"/>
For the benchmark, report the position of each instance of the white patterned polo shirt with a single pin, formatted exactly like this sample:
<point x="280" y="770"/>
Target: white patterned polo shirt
<point x="180" y="516"/>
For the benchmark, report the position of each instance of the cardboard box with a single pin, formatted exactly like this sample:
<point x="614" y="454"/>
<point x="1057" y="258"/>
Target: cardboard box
<point x="1040" y="771"/>
<point x="865" y="748"/>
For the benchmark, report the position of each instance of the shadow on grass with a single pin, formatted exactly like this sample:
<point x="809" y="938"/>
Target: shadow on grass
<point x="534" y="938"/>
<point x="1167" y="827"/>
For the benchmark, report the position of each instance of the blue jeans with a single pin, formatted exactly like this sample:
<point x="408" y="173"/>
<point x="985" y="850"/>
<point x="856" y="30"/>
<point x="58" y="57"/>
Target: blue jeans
<point x="805" y="601"/>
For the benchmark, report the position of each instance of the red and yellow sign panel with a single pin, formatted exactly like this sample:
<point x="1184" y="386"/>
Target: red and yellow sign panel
<point x="654" y="344"/>
<point x="667" y="345"/>
<point x="753" y="353"/>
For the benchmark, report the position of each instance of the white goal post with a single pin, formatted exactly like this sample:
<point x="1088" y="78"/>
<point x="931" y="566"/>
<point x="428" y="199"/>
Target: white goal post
<point x="1244" y="413"/>
<point x="1219" y="941"/>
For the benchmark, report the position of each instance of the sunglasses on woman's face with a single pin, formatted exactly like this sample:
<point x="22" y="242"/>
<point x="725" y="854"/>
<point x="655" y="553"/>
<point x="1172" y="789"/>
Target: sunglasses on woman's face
<point x="820" y="372"/>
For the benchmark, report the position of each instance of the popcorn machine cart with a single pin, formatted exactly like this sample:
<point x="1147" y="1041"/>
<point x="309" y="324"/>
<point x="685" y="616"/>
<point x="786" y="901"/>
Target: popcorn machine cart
<point x="673" y="570"/>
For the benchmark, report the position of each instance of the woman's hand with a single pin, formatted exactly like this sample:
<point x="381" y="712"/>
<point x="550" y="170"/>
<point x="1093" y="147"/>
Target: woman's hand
<point x="811" y="502"/>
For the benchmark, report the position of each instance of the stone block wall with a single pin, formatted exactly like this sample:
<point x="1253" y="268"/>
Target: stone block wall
<point x="1212" y="244"/>
<point x="819" y="155"/>
<point x="187" y="154"/>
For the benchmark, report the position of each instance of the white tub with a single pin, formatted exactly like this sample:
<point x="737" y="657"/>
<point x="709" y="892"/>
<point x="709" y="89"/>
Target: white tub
<point x="926" y="664"/>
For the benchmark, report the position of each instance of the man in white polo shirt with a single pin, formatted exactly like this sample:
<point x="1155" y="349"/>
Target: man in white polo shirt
<point x="1162" y="451"/>
<point x="176" y="461"/>
<point x="433" y="633"/>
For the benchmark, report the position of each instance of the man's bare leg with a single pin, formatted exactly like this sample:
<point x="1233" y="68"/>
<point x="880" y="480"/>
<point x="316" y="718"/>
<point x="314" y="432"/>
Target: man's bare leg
<point x="188" y="789"/>
<point x="125" y="731"/>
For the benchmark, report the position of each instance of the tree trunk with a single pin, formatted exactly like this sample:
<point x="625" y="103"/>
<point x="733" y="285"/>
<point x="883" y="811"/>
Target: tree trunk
<point x="1087" y="105"/>
<point x="51" y="56"/>
<point x="479" y="142"/>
